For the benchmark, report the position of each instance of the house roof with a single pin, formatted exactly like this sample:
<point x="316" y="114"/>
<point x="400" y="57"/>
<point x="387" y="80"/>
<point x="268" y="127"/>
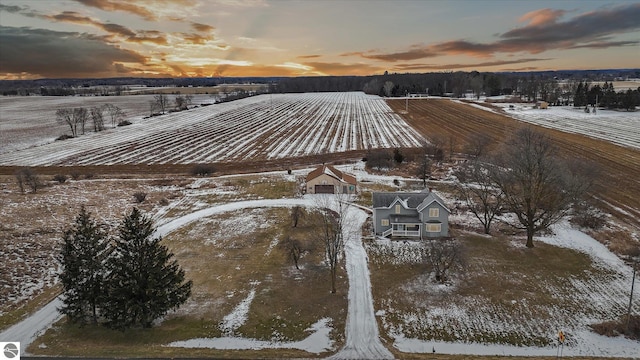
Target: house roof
<point x="333" y="172"/>
<point x="418" y="200"/>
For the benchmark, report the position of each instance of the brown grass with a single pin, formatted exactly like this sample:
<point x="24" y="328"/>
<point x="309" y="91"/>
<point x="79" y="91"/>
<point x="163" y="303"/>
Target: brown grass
<point x="224" y="265"/>
<point x="496" y="274"/>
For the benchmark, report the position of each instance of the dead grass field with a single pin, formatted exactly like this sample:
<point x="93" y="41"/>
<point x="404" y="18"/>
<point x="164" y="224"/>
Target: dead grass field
<point x="617" y="185"/>
<point x="226" y="257"/>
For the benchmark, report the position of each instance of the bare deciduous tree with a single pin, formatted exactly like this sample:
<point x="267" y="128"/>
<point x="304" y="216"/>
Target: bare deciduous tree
<point x="424" y="164"/>
<point x="331" y="224"/>
<point x="477" y="145"/>
<point x="442" y="257"/>
<point x="97" y="117"/>
<point x="73" y="118"/>
<point x="115" y="113"/>
<point x="153" y="107"/>
<point x="379" y="159"/>
<point x="180" y="102"/>
<point x="81" y="115"/>
<point x="26" y="177"/>
<point x="294" y="249"/>
<point x="162" y="101"/>
<point x="297" y="212"/>
<point x="483" y="197"/>
<point x="538" y="188"/>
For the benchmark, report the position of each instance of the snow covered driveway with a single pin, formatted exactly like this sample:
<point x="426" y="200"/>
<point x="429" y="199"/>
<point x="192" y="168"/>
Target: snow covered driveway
<point x="362" y="340"/>
<point x="362" y="337"/>
<point x="35" y="325"/>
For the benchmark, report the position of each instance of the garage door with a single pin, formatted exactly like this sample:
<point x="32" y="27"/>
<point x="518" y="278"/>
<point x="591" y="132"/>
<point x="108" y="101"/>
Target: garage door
<point x="324" y="189"/>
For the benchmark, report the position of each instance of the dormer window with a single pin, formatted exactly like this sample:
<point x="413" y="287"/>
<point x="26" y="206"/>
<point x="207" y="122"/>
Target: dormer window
<point x="397" y="209"/>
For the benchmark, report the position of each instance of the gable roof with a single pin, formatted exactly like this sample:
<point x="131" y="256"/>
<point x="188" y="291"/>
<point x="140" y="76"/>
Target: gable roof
<point x="418" y="201"/>
<point x="431" y="198"/>
<point x="333" y="172"/>
<point x="385" y="199"/>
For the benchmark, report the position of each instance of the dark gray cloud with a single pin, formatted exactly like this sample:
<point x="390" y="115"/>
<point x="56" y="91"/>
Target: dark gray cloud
<point x="408" y="67"/>
<point x="56" y="54"/>
<point x="543" y="32"/>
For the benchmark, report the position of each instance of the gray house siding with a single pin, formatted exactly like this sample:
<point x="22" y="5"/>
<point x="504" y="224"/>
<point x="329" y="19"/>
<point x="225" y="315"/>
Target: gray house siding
<point x="413" y="218"/>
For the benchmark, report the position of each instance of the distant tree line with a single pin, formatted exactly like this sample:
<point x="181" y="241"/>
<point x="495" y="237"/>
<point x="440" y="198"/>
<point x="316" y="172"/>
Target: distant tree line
<point x="605" y="96"/>
<point x="555" y="87"/>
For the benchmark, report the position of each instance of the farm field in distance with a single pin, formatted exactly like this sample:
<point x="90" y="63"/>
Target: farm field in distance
<point x="260" y="127"/>
<point x="273" y="133"/>
<point x="617" y="186"/>
<point x="27" y="121"/>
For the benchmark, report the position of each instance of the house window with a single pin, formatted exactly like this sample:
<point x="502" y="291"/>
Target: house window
<point x="433" y="228"/>
<point x="434" y="212"/>
<point x="384" y="222"/>
<point x="397" y="209"/>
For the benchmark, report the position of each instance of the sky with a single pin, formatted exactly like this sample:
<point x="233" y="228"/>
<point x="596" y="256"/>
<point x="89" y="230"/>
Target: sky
<point x="217" y="38"/>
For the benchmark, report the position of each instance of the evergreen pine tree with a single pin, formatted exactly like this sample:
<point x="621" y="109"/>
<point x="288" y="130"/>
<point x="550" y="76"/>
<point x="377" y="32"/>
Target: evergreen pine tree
<point x="144" y="282"/>
<point x="82" y="257"/>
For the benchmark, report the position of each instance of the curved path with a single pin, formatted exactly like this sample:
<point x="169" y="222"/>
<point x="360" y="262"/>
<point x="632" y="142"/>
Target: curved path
<point x="362" y="337"/>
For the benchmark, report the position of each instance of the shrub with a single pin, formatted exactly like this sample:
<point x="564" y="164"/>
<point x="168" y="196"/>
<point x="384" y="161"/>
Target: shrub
<point x="89" y="175"/>
<point x="397" y="156"/>
<point x="587" y="216"/>
<point x="64" y="137"/>
<point x="203" y="170"/>
<point x="75" y="175"/>
<point x="164" y="202"/>
<point x="27" y="177"/>
<point x="60" y="178"/>
<point x="619" y="326"/>
<point x="140" y="196"/>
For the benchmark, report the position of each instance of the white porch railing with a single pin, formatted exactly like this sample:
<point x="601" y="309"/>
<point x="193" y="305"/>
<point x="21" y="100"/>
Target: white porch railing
<point x="400" y="232"/>
<point x="405" y="233"/>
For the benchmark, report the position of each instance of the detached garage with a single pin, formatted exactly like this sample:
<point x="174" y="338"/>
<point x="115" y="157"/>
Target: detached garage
<point x="328" y="180"/>
<point x="324" y="189"/>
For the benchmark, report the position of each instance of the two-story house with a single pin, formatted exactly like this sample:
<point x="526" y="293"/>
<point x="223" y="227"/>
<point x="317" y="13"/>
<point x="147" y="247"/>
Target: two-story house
<point x="404" y="214"/>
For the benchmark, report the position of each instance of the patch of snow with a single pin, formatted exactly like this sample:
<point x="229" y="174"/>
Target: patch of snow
<point x="317" y="342"/>
<point x="231" y="322"/>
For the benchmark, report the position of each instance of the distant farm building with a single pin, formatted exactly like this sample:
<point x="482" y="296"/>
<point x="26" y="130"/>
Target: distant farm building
<point x="541" y="105"/>
<point x="326" y="179"/>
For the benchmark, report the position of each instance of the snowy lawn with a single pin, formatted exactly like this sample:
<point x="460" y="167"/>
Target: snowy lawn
<point x="512" y="300"/>
<point x="247" y="294"/>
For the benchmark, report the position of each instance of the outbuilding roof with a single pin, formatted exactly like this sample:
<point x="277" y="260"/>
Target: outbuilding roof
<point x="333" y="172"/>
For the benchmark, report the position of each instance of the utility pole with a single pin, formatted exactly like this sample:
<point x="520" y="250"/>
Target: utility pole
<point x="406" y="104"/>
<point x="633" y="281"/>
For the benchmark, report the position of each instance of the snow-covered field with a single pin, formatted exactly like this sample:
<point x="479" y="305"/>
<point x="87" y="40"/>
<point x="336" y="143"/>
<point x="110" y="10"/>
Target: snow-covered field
<point x="27" y="121"/>
<point x="265" y="126"/>
<point x="619" y="127"/>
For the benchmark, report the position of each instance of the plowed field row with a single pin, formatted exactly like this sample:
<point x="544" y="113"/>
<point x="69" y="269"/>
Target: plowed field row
<point x="618" y="184"/>
<point x="262" y="127"/>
